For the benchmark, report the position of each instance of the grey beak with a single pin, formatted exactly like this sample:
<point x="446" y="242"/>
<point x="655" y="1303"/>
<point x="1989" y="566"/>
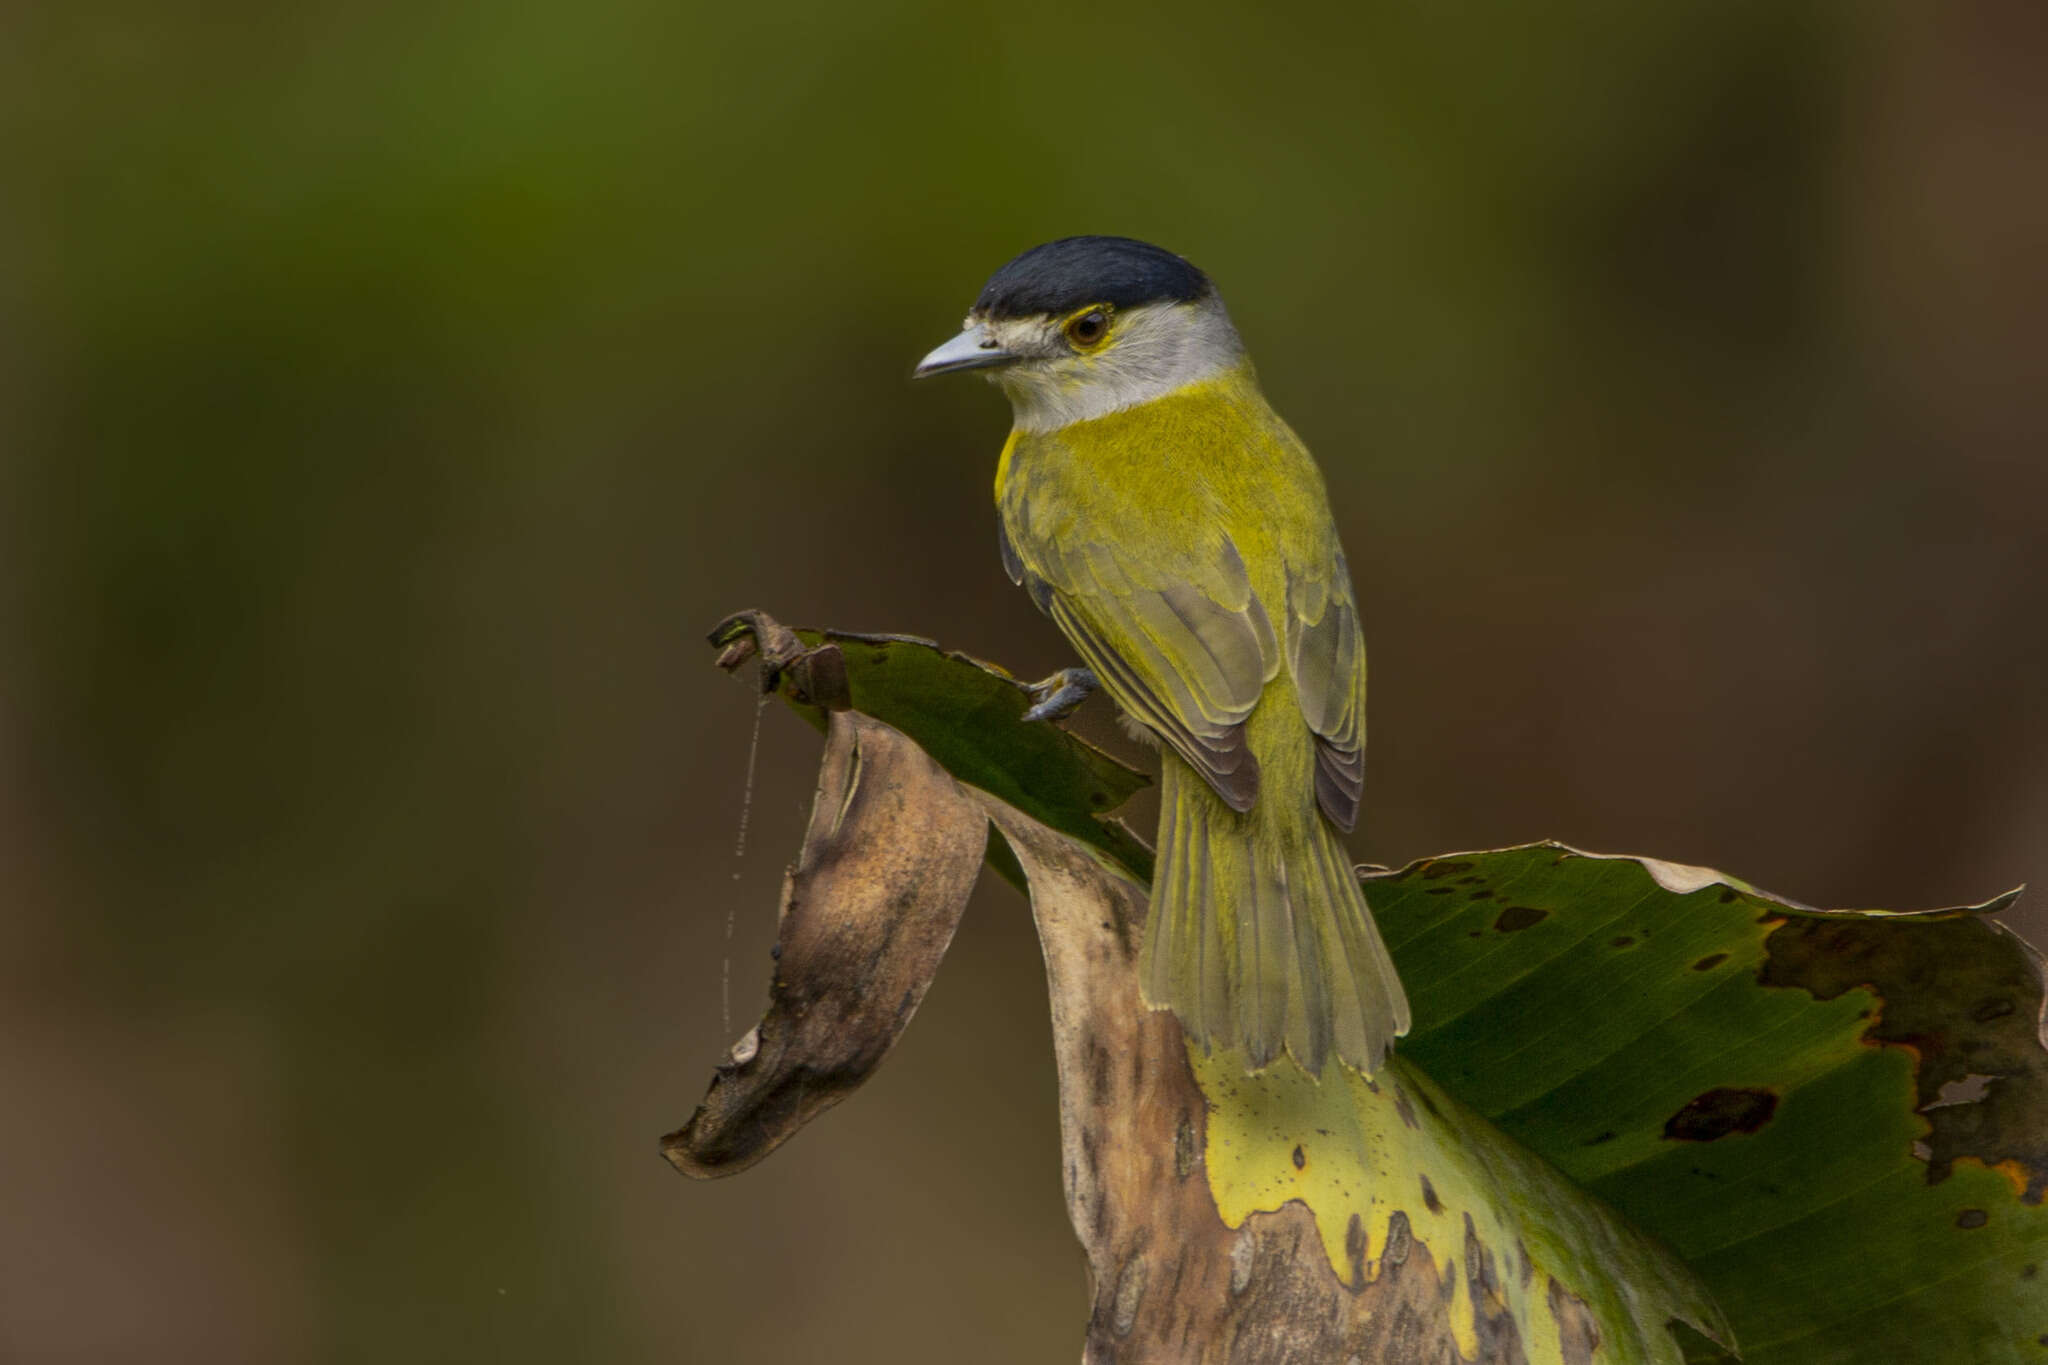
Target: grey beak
<point x="973" y="349"/>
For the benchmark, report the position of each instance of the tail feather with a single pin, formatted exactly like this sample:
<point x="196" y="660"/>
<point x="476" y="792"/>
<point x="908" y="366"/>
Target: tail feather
<point x="1259" y="937"/>
<point x="1353" y="965"/>
<point x="1266" y="957"/>
<point x="1212" y="999"/>
<point x="1314" y="988"/>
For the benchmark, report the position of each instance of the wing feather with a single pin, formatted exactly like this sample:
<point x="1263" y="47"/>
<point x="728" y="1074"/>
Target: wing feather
<point x="1326" y="655"/>
<point x="1185" y="654"/>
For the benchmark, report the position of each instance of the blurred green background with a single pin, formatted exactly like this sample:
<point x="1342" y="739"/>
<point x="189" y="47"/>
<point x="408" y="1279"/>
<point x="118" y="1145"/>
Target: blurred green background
<point x="391" y="395"/>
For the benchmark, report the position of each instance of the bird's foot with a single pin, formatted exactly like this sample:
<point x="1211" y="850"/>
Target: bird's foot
<point x="1058" y="697"/>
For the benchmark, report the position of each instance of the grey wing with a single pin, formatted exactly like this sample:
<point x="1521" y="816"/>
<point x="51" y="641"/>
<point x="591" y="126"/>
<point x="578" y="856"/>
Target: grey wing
<point x="1326" y="655"/>
<point x="1187" y="658"/>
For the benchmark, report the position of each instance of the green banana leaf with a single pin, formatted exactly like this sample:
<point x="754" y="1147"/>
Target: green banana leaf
<point x="1837" y="1120"/>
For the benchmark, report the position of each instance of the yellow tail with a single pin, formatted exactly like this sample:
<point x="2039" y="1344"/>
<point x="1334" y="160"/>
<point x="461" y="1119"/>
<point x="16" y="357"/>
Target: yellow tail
<point x="1259" y="937"/>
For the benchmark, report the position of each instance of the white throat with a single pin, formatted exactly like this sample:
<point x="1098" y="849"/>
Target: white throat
<point x="1156" y="349"/>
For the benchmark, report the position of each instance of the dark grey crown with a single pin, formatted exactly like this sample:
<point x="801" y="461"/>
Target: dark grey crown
<point x="1077" y="271"/>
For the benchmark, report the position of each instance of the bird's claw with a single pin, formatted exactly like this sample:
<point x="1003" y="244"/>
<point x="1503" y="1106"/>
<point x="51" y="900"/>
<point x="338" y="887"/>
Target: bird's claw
<point x="1058" y="697"/>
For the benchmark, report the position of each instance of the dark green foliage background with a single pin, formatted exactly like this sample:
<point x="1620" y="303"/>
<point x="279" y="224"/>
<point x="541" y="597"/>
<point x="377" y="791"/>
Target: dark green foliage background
<point x="391" y="395"/>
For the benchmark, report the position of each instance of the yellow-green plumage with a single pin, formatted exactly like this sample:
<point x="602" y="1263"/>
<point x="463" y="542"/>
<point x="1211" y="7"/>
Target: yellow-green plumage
<point x="1185" y="546"/>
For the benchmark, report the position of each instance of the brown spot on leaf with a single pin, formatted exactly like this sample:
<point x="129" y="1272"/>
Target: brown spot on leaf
<point x="1482" y="895"/>
<point x="1625" y="941"/>
<point x="1982" y="1020"/>
<point x="1607" y="1136"/>
<point x="1727" y="894"/>
<point x="1578" y="1334"/>
<point x="1992" y="1009"/>
<point x="1444" y="869"/>
<point x="1709" y="962"/>
<point x="1718" y="1113"/>
<point x="1519" y="917"/>
<point x="1300" y="1157"/>
<point x="1972" y="1218"/>
<point x="1429" y="1199"/>
<point x="1400" y="1238"/>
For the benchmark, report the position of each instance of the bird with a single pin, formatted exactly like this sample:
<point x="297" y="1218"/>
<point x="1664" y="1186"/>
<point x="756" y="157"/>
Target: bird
<point x="1179" y="535"/>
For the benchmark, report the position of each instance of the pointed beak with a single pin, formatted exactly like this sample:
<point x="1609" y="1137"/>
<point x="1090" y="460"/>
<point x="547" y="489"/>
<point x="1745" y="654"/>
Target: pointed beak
<point x="974" y="349"/>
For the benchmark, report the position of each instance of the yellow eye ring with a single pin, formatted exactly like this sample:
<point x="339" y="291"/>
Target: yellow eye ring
<point x="1089" y="328"/>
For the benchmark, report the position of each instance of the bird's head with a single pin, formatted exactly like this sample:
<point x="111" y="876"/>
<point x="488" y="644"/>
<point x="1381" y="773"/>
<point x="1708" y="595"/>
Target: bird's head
<point x="1086" y="326"/>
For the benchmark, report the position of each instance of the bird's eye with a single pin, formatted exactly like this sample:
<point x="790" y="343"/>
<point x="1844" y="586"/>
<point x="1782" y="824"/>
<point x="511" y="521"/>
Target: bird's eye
<point x="1087" y="328"/>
